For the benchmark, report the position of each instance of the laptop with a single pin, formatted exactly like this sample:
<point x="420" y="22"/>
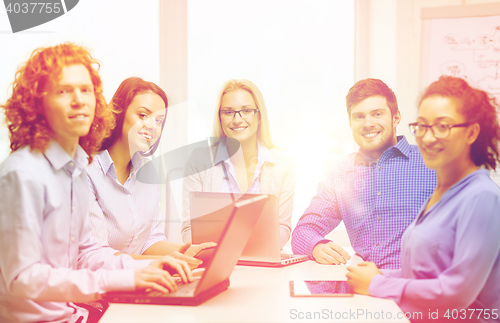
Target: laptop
<point x="210" y="212"/>
<point x="215" y="278"/>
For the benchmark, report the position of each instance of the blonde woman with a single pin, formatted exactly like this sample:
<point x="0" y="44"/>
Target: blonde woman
<point x="257" y="167"/>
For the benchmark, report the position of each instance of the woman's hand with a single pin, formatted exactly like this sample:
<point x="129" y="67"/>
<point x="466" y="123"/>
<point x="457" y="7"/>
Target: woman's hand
<point x="191" y="261"/>
<point x="192" y="250"/>
<point x="360" y="276"/>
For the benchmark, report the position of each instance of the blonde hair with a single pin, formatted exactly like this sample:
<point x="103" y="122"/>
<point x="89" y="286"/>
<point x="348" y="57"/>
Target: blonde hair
<point x="263" y="132"/>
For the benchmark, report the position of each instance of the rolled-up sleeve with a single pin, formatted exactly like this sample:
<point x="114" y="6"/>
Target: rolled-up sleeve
<point x="319" y="219"/>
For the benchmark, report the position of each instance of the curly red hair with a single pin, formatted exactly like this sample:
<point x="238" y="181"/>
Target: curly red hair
<point x="24" y="109"/>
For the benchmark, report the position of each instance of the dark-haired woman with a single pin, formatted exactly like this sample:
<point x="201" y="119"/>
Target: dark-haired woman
<point x="125" y="212"/>
<point x="450" y="253"/>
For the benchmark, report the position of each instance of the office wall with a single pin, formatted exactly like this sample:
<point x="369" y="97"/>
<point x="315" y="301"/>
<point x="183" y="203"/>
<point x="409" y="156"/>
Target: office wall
<point x="393" y="53"/>
<point x="122" y="34"/>
<point x="299" y="53"/>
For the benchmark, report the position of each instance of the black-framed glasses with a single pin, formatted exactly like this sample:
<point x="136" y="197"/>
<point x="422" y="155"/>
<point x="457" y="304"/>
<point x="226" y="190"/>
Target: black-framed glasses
<point x="245" y="113"/>
<point x="439" y="130"/>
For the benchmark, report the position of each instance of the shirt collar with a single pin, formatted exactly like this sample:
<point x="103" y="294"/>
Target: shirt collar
<point x="451" y="192"/>
<point x="106" y="162"/>
<point x="59" y="158"/>
<point x="264" y="155"/>
<point x="222" y="153"/>
<point x="138" y="161"/>
<point x="402" y="147"/>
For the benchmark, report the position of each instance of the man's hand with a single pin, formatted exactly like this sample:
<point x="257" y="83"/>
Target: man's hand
<point x="153" y="278"/>
<point x="191" y="250"/>
<point x="330" y="253"/>
<point x="157" y="276"/>
<point x="360" y="276"/>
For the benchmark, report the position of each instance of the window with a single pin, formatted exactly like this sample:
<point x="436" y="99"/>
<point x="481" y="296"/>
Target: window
<point x="301" y="56"/>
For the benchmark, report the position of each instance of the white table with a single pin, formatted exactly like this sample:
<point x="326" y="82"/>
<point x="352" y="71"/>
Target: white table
<point x="259" y="294"/>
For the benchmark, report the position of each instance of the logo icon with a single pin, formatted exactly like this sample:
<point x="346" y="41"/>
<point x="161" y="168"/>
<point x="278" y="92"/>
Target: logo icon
<point x="171" y="165"/>
<point x="26" y="14"/>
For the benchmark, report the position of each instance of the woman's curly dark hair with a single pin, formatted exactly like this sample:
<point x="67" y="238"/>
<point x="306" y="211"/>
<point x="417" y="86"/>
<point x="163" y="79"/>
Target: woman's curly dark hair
<point x="24" y="109"/>
<point x="478" y="107"/>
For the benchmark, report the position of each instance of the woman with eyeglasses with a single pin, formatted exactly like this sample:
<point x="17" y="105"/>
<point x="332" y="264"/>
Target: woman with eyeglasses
<point x="450" y="265"/>
<point x="245" y="160"/>
<point x="124" y="211"/>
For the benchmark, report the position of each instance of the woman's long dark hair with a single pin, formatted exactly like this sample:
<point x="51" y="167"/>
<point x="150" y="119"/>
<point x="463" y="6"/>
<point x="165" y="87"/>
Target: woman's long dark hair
<point x="124" y="95"/>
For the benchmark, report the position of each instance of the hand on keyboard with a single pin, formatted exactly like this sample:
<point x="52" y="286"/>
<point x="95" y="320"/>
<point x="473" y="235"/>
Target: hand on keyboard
<point x="152" y="278"/>
<point x="157" y="276"/>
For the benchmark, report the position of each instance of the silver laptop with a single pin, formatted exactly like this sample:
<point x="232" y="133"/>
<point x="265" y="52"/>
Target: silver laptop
<point x="209" y="213"/>
<point x="215" y="278"/>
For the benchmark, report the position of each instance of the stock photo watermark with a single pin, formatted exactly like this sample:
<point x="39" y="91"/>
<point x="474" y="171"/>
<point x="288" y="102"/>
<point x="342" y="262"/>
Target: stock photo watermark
<point x="365" y="314"/>
<point x="358" y="314"/>
<point x="26" y="14"/>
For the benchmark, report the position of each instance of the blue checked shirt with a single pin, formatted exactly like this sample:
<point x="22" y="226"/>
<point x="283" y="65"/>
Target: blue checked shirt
<point x="376" y="199"/>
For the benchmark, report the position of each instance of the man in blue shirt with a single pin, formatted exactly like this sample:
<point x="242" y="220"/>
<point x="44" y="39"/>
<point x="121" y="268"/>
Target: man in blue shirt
<point x="376" y="191"/>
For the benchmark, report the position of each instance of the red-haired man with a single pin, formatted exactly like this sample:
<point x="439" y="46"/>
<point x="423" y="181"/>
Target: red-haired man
<point x="57" y="118"/>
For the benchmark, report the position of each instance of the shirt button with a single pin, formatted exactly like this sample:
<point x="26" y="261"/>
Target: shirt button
<point x="380" y="167"/>
<point x="72" y="238"/>
<point x="377" y="244"/>
<point x="378" y="218"/>
<point x="135" y="216"/>
<point x="135" y="238"/>
<point x="73" y="208"/>
<point x="71" y="164"/>
<point x="128" y="195"/>
<point x="379" y="193"/>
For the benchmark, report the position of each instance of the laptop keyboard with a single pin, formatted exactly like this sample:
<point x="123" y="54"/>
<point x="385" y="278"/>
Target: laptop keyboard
<point x="185" y="289"/>
<point x="182" y="289"/>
